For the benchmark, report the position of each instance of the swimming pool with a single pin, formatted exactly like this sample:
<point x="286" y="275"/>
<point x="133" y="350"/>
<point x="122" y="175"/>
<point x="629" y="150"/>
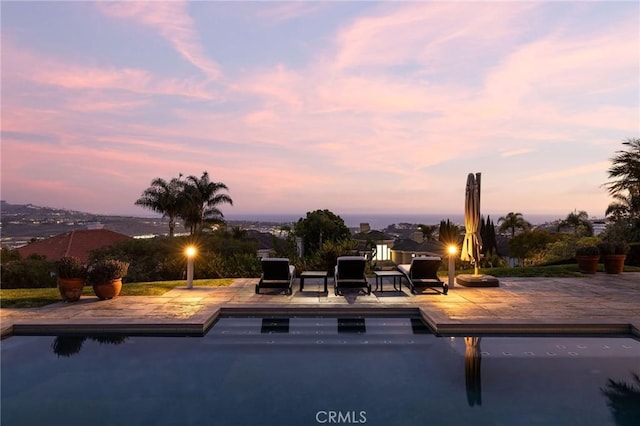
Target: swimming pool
<point x="309" y="371"/>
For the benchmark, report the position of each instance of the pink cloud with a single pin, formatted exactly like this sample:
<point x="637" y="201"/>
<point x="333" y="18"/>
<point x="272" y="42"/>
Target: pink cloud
<point x="423" y="32"/>
<point x="171" y="19"/>
<point x="20" y="65"/>
<point x="278" y="12"/>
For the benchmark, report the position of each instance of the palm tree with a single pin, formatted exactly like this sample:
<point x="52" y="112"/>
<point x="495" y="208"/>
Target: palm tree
<point x="202" y="199"/>
<point x="513" y="221"/>
<point x="625" y="183"/>
<point x="625" y="207"/>
<point x="428" y="231"/>
<point x="625" y="170"/>
<point x="579" y="222"/>
<point x="165" y="198"/>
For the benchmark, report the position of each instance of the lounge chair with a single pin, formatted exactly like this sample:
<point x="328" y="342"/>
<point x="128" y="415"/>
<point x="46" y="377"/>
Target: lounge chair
<point x="423" y="273"/>
<point x="349" y="273"/>
<point x="276" y="273"/>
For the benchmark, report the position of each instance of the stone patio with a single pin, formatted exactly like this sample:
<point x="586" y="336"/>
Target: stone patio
<point x="591" y="304"/>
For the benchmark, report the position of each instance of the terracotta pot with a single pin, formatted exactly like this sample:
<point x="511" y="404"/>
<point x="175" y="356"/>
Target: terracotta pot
<point x="614" y="263"/>
<point x="70" y="288"/>
<point x="588" y="264"/>
<point x="109" y="289"/>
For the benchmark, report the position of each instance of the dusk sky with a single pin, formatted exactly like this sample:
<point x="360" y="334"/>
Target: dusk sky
<point x="356" y="107"/>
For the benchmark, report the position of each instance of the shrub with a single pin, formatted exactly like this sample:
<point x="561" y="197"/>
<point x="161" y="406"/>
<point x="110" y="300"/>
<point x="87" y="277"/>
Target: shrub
<point x="588" y="251"/>
<point x="242" y="265"/>
<point x="327" y="257"/>
<point x="633" y="258"/>
<point x="162" y="258"/>
<point x="33" y="272"/>
<point x="155" y="259"/>
<point x="71" y="267"/>
<point x="609" y="247"/>
<point x="490" y="260"/>
<point x="531" y="246"/>
<point x="106" y="270"/>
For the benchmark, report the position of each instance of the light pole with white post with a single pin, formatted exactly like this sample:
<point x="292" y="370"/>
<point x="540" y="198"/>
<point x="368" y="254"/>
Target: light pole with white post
<point x="190" y="252"/>
<point x="452" y="264"/>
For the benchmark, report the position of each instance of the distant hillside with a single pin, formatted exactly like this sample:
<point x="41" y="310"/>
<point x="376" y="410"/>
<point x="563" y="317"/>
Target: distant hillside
<point x="26" y="221"/>
<point x="23" y="222"/>
<point x="32" y="210"/>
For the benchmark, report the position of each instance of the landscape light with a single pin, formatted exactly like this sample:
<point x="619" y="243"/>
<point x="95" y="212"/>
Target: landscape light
<point x="190" y="252"/>
<point x="452" y="249"/>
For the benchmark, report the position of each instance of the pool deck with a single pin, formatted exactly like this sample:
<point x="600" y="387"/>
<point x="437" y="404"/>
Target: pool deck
<point x="596" y="304"/>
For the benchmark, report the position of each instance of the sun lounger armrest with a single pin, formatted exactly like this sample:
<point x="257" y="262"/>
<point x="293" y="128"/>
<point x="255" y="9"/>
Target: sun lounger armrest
<point x="404" y="268"/>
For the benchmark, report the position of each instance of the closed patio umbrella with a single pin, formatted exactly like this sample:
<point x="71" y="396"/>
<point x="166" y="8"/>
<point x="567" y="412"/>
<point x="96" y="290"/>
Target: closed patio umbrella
<point x="472" y="240"/>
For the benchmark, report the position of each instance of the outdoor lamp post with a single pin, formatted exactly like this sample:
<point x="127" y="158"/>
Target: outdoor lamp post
<point x="190" y="252"/>
<point x="452" y="264"/>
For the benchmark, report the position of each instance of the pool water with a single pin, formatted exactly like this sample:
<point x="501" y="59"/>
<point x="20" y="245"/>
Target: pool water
<point x="310" y="371"/>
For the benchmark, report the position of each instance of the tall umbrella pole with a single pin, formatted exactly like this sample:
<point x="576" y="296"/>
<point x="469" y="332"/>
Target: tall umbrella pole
<point x="478" y="240"/>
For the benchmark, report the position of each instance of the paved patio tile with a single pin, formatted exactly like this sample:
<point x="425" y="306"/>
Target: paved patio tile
<point x="591" y="299"/>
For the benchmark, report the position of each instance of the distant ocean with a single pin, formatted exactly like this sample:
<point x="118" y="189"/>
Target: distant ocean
<point x="381" y="221"/>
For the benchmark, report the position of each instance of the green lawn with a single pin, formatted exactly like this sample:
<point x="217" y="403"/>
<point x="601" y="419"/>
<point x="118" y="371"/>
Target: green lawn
<point x="541" y="271"/>
<point x="35" y="297"/>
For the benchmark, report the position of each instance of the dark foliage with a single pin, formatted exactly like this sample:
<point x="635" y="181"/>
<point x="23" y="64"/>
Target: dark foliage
<point x="623" y="400"/>
<point x="71" y="267"/>
<point x="32" y="272"/>
<point x="530" y="245"/>
<point x="488" y="235"/>
<point x="220" y="255"/>
<point x="319" y="227"/>
<point x="633" y="257"/>
<point x="106" y="270"/>
<point x="448" y="233"/>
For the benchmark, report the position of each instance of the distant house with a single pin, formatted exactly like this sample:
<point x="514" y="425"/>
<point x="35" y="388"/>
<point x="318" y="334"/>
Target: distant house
<point x="405" y="249"/>
<point x="77" y="243"/>
<point x="266" y="242"/>
<point x="368" y="238"/>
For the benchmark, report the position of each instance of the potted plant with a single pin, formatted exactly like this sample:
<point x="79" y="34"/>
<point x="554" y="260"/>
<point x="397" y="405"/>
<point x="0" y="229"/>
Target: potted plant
<point x="106" y="277"/>
<point x="71" y="275"/>
<point x="588" y="257"/>
<point x="613" y="255"/>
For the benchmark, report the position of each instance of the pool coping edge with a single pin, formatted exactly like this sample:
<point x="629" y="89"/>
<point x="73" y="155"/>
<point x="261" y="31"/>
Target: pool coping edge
<point x="202" y="323"/>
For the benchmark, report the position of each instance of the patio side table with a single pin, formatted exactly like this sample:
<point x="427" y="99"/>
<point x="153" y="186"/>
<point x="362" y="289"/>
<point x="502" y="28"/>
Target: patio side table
<point x="380" y="275"/>
<point x="314" y="274"/>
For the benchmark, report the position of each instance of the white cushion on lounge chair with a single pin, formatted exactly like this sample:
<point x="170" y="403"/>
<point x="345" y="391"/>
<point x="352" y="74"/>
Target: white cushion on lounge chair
<point x="405" y="268"/>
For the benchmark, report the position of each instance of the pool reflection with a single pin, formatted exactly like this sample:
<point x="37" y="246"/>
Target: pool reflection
<point x="623" y="400"/>
<point x="472" y="373"/>
<point x="66" y="346"/>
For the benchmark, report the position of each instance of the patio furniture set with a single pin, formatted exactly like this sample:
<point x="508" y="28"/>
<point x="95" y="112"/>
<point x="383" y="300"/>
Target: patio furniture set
<point x="349" y="273"/>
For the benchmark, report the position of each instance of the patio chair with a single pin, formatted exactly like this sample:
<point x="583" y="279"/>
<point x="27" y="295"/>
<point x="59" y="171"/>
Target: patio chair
<point x="349" y="273"/>
<point x="423" y="273"/>
<point x="276" y="273"/>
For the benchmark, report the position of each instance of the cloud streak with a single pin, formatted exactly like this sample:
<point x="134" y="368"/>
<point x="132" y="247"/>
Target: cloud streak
<point x="171" y="20"/>
<point x="575" y="171"/>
